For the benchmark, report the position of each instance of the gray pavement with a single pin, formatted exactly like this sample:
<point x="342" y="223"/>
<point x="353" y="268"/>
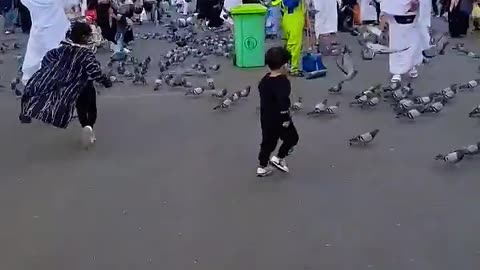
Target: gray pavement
<point x="171" y="184"/>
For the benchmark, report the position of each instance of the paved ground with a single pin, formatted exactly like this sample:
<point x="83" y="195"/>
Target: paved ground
<point x="171" y="185"/>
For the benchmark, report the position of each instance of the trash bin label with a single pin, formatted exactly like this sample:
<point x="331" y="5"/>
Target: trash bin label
<point x="250" y="43"/>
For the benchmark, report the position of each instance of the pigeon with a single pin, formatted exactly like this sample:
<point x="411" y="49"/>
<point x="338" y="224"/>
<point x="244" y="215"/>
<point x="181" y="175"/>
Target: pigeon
<point x="211" y="83"/>
<point x="245" y="92"/>
<point x="424" y="99"/>
<point x="14" y="83"/>
<point x="475" y="112"/>
<point x="438" y="46"/>
<point x="214" y="67"/>
<point x="235" y="96"/>
<point x="319" y="108"/>
<point x="472" y="149"/>
<point x="382" y="49"/>
<point x="224" y="104"/>
<point x="372" y="102"/>
<point x="402" y="93"/>
<point x="364" y="138"/>
<point x="297" y="106"/>
<point x="361" y="100"/>
<point x="411" y="114"/>
<point x="195" y="91"/>
<point x="435" y="107"/>
<point x="449" y="92"/>
<point x="405" y="104"/>
<point x="337" y="88"/>
<point x="114" y="79"/>
<point x="333" y="109"/>
<point x="372" y="90"/>
<point x="452" y="157"/>
<point x="221" y="93"/>
<point x="157" y="84"/>
<point x="345" y="64"/>
<point x="470" y="85"/>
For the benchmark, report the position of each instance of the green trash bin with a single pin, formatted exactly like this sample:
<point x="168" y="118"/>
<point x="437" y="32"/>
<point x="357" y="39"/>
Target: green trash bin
<point x="249" y="32"/>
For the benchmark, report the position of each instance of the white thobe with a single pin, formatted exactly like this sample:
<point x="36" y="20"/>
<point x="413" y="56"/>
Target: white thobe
<point x="49" y="27"/>
<point x="424" y="22"/>
<point x="367" y="11"/>
<point x="228" y="5"/>
<point x="401" y="36"/>
<point x="326" y="18"/>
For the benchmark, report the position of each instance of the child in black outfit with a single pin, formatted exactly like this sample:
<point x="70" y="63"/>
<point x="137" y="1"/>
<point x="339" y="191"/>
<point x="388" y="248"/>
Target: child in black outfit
<point x="275" y="117"/>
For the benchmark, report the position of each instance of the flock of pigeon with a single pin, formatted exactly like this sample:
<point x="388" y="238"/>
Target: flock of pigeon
<point x="192" y="43"/>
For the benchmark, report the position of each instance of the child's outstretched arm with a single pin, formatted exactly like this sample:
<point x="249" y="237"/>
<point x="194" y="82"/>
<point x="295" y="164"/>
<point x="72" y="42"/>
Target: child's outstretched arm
<point x="94" y="71"/>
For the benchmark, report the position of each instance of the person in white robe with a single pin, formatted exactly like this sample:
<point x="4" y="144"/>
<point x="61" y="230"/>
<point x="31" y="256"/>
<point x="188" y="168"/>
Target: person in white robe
<point x="368" y="12"/>
<point x="227" y="6"/>
<point x="403" y="36"/>
<point x="424" y="23"/>
<point x="326" y="17"/>
<point x="49" y="27"/>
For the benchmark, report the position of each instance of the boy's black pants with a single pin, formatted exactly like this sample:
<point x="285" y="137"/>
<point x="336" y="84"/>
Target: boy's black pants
<point x="270" y="136"/>
<point x="87" y="105"/>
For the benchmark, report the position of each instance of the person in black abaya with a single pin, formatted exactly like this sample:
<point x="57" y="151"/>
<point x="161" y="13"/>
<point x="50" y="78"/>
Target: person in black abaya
<point x="25" y="19"/>
<point x="211" y="10"/>
<point x="459" y="17"/>
<point x="105" y="20"/>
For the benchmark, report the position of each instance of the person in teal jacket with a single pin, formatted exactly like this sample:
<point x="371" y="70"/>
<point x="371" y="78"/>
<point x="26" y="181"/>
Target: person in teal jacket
<point x="293" y="22"/>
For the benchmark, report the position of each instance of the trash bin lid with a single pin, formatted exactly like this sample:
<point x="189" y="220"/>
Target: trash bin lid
<point x="248" y="9"/>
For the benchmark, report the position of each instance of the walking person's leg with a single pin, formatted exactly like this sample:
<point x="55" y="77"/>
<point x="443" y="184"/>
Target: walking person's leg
<point x="269" y="143"/>
<point x="87" y="113"/>
<point x="435" y="7"/>
<point x="289" y="137"/>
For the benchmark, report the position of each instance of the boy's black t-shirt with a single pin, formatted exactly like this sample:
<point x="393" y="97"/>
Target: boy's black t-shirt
<point x="274" y="100"/>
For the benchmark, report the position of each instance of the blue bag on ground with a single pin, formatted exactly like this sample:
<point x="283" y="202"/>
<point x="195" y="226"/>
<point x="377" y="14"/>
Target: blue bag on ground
<point x="312" y="65"/>
<point x="312" y="62"/>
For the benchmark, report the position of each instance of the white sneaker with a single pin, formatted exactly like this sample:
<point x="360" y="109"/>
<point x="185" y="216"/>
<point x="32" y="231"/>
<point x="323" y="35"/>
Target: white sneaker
<point x="413" y="73"/>
<point x="280" y="163"/>
<point x="87" y="136"/>
<point x="264" y="171"/>
<point x="125" y="50"/>
<point x="396" y="78"/>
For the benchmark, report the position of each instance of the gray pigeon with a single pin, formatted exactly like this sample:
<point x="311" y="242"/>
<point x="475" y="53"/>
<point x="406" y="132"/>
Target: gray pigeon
<point x="336" y="88"/>
<point x="452" y="157"/>
<point x="475" y="112"/>
<point x="245" y="92"/>
<point x="211" y="83"/>
<point x="157" y="84"/>
<point x="435" y="107"/>
<point x="472" y="149"/>
<point x="195" y="91"/>
<point x="410" y="114"/>
<point x="298" y="105"/>
<point x="470" y="85"/>
<point x="439" y="43"/>
<point x="319" y="108"/>
<point x="333" y="109"/>
<point x="364" y="138"/>
<point x="221" y="93"/>
<point x="225" y="104"/>
<point x="345" y="64"/>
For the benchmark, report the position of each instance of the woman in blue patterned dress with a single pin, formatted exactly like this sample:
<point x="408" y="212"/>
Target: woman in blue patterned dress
<point x="65" y="82"/>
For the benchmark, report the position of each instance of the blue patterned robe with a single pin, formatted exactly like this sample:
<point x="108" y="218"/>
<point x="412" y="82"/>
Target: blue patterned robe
<point x="52" y="92"/>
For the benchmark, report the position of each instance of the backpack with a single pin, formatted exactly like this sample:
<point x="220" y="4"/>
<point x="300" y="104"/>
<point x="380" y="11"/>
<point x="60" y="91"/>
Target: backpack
<point x="291" y="5"/>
